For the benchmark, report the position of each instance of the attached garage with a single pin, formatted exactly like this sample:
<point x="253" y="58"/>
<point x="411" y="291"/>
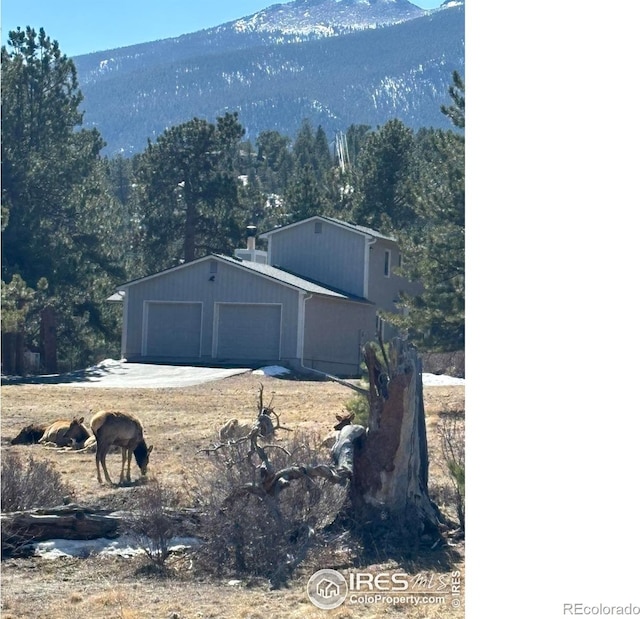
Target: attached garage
<point x="248" y="331"/>
<point x="172" y="329"/>
<point x="218" y="309"/>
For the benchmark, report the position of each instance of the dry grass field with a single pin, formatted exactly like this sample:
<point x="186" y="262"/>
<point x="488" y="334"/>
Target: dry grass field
<point x="179" y="422"/>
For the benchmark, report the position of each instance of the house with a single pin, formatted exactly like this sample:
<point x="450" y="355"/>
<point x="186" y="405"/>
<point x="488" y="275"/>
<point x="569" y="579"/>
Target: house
<point x="309" y="301"/>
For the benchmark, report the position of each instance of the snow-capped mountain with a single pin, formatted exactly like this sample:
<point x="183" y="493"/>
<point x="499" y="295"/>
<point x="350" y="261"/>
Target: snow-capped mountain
<point x="335" y="62"/>
<point x="307" y="18"/>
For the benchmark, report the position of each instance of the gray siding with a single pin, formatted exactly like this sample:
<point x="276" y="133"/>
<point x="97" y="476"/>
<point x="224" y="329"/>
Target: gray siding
<point x="212" y="310"/>
<point x="172" y="329"/>
<point x="189" y="284"/>
<point x="192" y="283"/>
<point x="235" y="285"/>
<point x="247" y="331"/>
<point x="334" y="257"/>
<point x="335" y="332"/>
<point x="382" y="289"/>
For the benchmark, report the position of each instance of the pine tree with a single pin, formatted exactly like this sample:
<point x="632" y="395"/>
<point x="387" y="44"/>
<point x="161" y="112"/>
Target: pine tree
<point x="434" y="244"/>
<point x="383" y="194"/>
<point x="303" y="197"/>
<point x="188" y="192"/>
<point x="58" y="223"/>
<point x="322" y="155"/>
<point x="275" y="161"/>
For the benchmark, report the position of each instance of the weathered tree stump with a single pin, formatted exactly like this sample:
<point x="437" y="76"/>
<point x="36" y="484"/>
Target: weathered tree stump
<point x="391" y="466"/>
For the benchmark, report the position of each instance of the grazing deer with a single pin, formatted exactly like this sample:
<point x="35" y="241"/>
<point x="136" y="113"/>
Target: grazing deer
<point x="65" y="433"/>
<point x="125" y="431"/>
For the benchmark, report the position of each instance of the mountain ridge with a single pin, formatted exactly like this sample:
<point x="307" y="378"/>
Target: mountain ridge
<point x="364" y="77"/>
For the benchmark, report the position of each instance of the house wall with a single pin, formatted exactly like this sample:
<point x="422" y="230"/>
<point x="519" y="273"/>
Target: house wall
<point x="192" y="284"/>
<point x="335" y="256"/>
<point x="382" y="289"/>
<point x="235" y="285"/>
<point x="335" y="332"/>
<point x="187" y="285"/>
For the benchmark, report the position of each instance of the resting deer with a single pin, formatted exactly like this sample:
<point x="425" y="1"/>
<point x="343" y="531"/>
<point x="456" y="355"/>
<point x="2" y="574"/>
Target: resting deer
<point x="125" y="431"/>
<point x="65" y="433"/>
<point x="343" y="420"/>
<point x="30" y="434"/>
<point x="235" y="429"/>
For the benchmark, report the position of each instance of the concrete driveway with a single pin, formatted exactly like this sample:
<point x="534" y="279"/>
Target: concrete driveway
<point x="122" y="375"/>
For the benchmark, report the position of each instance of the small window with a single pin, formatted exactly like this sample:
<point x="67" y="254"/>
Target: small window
<point x="213" y="267"/>
<point x="387" y="263"/>
<point x="399" y="260"/>
<point x="318" y="227"/>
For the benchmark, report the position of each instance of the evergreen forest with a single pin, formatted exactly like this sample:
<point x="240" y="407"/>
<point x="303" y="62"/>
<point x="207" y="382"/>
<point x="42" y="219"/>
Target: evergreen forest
<point x="76" y="223"/>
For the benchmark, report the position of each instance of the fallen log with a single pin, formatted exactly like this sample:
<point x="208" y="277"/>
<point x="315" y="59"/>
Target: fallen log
<point x="73" y="522"/>
<point x="64" y="522"/>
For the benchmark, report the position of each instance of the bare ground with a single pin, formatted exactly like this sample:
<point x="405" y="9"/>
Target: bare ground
<point x="179" y="422"/>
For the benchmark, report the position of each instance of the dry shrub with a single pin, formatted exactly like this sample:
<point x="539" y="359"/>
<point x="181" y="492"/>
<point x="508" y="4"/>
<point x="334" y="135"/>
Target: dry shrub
<point x="451" y="433"/>
<point x="152" y="521"/>
<point x="252" y="533"/>
<point x="30" y="484"/>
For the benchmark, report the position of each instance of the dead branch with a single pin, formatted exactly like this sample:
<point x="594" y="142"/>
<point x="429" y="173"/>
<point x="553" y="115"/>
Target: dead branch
<point x="272" y="481"/>
<point x="382" y="349"/>
<point x="286" y="569"/>
<point x="278" y="426"/>
<point x="340" y="381"/>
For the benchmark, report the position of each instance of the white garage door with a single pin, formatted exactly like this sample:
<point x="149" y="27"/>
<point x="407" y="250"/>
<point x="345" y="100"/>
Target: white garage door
<point x="248" y="332"/>
<point x="173" y="329"/>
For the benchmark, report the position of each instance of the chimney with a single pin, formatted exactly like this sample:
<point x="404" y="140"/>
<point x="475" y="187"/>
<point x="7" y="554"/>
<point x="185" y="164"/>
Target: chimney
<point x="251" y="254"/>
<point x="251" y="237"/>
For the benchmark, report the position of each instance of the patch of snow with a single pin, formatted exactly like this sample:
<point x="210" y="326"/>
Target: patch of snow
<point x="122" y="547"/>
<point x="429" y="380"/>
<point x="104" y="364"/>
<point x="272" y="370"/>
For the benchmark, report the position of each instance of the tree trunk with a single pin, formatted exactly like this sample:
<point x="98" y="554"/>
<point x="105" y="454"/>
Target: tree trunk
<point x="20" y="366"/>
<point x="48" y="341"/>
<point x="391" y="467"/>
<point x="9" y="353"/>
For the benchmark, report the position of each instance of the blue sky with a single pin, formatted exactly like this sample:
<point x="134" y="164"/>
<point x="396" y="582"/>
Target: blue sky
<point x="83" y="26"/>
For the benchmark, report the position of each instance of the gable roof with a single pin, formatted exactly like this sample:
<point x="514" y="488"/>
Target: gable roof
<point x="290" y="279"/>
<point x="337" y="222"/>
<point x="264" y="270"/>
<point x="138" y="280"/>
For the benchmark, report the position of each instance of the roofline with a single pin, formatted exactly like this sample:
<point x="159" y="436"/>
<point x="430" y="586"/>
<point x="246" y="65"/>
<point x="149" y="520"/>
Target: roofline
<point x="164" y="271"/>
<point x="342" y="224"/>
<point x="235" y="262"/>
<point x="338" y="294"/>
